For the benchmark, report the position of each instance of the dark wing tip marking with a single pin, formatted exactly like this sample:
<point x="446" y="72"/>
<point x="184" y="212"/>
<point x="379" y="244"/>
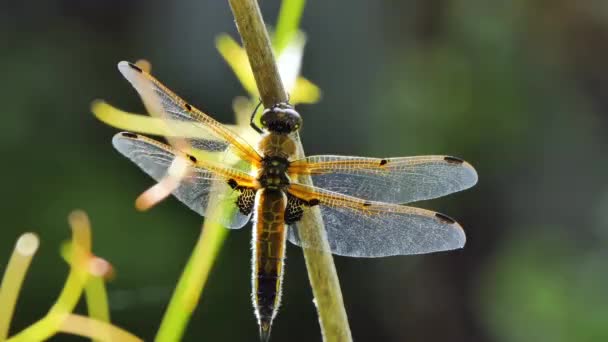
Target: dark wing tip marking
<point x="135" y="67"/>
<point x="445" y="218"/>
<point x="129" y="135"/>
<point x="453" y="160"/>
<point x="383" y="162"/>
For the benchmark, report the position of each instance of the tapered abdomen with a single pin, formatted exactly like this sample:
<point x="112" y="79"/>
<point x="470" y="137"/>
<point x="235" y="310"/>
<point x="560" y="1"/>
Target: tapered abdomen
<point x="269" y="234"/>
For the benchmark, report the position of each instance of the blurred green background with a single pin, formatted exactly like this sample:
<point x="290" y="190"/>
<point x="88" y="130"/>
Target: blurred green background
<point x="517" y="88"/>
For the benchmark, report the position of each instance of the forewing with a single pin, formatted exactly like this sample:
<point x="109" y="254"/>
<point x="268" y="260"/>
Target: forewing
<point x="205" y="189"/>
<point x="160" y="101"/>
<point x="361" y="228"/>
<point x="393" y="180"/>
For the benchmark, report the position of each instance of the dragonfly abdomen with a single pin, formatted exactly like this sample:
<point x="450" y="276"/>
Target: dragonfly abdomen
<point x="269" y="236"/>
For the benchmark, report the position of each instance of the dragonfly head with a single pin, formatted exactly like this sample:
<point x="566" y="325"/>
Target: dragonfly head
<point x="281" y="118"/>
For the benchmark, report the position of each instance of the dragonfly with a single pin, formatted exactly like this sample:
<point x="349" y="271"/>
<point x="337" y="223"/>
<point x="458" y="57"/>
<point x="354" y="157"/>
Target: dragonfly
<point x="361" y="200"/>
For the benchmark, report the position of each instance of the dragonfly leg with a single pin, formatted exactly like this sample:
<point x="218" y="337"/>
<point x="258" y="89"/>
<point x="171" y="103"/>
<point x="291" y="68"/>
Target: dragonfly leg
<point x="252" y="123"/>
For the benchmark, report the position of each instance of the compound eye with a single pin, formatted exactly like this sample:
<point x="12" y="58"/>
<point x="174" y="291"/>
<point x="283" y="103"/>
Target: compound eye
<point x="297" y="121"/>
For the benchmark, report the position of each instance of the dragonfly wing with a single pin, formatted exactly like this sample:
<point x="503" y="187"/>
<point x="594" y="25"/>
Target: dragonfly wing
<point x="361" y="228"/>
<point x="205" y="189"/>
<point x="160" y="101"/>
<point x="393" y="180"/>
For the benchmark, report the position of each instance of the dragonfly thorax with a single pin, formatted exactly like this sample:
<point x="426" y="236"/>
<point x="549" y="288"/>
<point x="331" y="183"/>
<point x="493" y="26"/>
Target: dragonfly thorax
<point x="273" y="173"/>
<point x="277" y="145"/>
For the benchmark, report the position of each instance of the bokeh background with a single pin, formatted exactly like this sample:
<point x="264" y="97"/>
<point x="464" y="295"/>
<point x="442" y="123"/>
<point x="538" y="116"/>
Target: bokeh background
<point x="517" y="88"/>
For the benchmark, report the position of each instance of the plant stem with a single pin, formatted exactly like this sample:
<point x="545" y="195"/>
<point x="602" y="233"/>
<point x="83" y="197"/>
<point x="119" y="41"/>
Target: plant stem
<point x="17" y="267"/>
<point x="97" y="300"/>
<point x="73" y="287"/>
<point x="257" y="44"/>
<point x="288" y="23"/>
<point x="99" y="330"/>
<point x="321" y="269"/>
<point x="191" y="283"/>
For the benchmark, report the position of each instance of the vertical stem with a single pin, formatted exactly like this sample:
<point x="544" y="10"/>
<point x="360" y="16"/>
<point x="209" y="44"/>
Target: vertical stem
<point x="190" y="286"/>
<point x="97" y="301"/>
<point x="257" y="44"/>
<point x="321" y="269"/>
<point x="288" y="23"/>
<point x="17" y="267"/>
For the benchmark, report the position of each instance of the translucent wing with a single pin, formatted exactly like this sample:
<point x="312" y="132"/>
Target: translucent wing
<point x="205" y="189"/>
<point x="211" y="135"/>
<point x="361" y="228"/>
<point x="393" y="180"/>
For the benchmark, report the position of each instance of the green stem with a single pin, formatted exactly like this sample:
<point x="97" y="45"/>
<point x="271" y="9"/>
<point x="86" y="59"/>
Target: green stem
<point x="97" y="300"/>
<point x="49" y="325"/>
<point x="321" y="269"/>
<point x="94" y="329"/>
<point x="288" y="23"/>
<point x="190" y="285"/>
<point x="17" y="267"/>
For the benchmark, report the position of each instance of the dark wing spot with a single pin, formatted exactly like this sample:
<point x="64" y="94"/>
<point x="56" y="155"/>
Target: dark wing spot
<point x="129" y="135"/>
<point x="232" y="183"/>
<point x="246" y="201"/>
<point x="453" y="160"/>
<point x="367" y="204"/>
<point x="188" y="107"/>
<point x="294" y="209"/>
<point x="133" y="66"/>
<point x="383" y="162"/>
<point x="192" y="158"/>
<point x="313" y="202"/>
<point x="445" y="218"/>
